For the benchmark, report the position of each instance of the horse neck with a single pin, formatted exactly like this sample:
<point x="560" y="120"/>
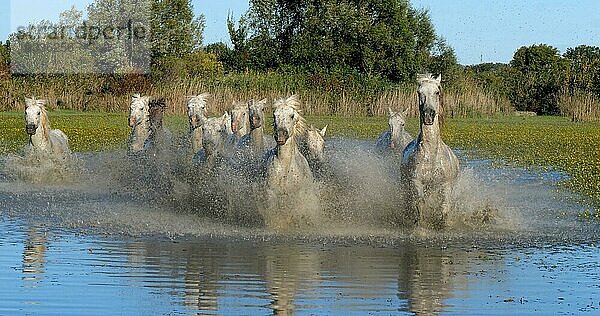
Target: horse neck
<point x="142" y="129"/>
<point x="256" y="136"/>
<point x="243" y="130"/>
<point x="397" y="133"/>
<point x="287" y="151"/>
<point x="430" y="134"/>
<point x="41" y="138"/>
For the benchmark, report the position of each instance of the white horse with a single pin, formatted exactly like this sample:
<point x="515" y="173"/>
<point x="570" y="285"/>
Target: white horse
<point x="214" y="138"/>
<point x="160" y="139"/>
<point x="292" y="196"/>
<point x="240" y="120"/>
<point x="429" y="166"/>
<point x="256" y="141"/>
<point x="197" y="108"/>
<point x="396" y="138"/>
<point x="43" y="140"/>
<point x="312" y="146"/>
<point x="139" y="121"/>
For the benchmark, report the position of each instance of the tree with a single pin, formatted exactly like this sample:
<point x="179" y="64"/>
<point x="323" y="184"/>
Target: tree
<point x="537" y="75"/>
<point x="173" y="29"/>
<point x="119" y="34"/>
<point x="583" y="73"/>
<point x="51" y="47"/>
<point x="381" y="37"/>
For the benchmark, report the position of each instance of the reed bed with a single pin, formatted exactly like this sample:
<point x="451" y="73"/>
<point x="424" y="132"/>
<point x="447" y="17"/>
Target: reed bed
<point x="344" y="97"/>
<point x="581" y="107"/>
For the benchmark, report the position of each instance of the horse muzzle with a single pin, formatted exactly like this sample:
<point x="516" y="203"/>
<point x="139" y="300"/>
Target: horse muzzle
<point x="281" y="137"/>
<point x="429" y="117"/>
<point x="132" y="122"/>
<point x="256" y="121"/>
<point x="31" y="129"/>
<point x="235" y="126"/>
<point x="193" y="121"/>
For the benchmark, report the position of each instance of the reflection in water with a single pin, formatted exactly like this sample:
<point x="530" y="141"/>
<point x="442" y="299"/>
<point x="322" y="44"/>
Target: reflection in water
<point x="34" y="254"/>
<point x="286" y="276"/>
<point x="231" y="276"/>
<point x="201" y="286"/>
<point x="286" y="269"/>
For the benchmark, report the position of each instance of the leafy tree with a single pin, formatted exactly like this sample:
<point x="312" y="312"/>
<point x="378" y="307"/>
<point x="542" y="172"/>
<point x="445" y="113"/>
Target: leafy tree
<point x="173" y="28"/>
<point x="379" y="37"/>
<point x="119" y="34"/>
<point x="4" y="62"/>
<point x="583" y="73"/>
<point x="537" y="74"/>
<point x="51" y="47"/>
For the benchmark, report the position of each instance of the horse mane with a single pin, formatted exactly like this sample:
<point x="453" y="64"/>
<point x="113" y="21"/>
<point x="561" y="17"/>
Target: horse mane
<point x="198" y="99"/>
<point x="301" y="127"/>
<point x="45" y="122"/>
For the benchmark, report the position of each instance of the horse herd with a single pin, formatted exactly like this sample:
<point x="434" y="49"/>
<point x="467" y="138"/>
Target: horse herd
<point x="289" y="160"/>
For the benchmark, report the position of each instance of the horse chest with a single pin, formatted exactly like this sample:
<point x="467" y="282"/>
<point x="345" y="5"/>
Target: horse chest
<point x="289" y="172"/>
<point x="430" y="164"/>
<point x="196" y="138"/>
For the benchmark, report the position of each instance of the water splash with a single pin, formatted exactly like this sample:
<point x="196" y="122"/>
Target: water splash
<point x="358" y="191"/>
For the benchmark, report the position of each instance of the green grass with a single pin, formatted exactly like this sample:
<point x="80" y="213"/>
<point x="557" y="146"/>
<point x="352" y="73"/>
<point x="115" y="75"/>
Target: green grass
<point x="549" y="142"/>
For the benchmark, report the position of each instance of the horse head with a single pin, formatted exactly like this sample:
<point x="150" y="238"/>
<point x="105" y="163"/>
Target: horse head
<point x="197" y="109"/>
<point x="256" y="110"/>
<point x="214" y="131"/>
<point x="429" y="93"/>
<point x="397" y="120"/>
<point x="156" y="111"/>
<point x="286" y="119"/>
<point x="239" y="118"/>
<point x="315" y="143"/>
<point x="138" y="110"/>
<point x="35" y="114"/>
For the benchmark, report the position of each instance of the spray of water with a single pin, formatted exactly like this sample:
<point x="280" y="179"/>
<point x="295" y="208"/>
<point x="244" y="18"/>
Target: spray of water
<point x="357" y="190"/>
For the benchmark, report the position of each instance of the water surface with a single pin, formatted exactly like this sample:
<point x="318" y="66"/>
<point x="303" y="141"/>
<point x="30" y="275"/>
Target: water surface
<point x="98" y="247"/>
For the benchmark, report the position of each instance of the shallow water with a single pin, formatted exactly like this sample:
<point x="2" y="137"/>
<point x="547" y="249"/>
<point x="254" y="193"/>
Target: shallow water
<point x="101" y="247"/>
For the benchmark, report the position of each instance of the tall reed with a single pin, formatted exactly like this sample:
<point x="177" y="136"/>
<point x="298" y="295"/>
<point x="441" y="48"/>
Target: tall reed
<point x="343" y="96"/>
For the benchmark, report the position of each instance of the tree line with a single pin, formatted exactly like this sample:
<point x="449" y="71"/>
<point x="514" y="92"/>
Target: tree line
<point x="337" y="45"/>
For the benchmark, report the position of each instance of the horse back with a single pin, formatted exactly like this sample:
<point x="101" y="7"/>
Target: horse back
<point x="59" y="140"/>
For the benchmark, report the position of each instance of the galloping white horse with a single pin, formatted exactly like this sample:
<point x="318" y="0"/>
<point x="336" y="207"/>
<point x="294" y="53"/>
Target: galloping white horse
<point x="214" y="137"/>
<point x="256" y="142"/>
<point x="240" y="120"/>
<point x="396" y="138"/>
<point x="429" y="166"/>
<point x="139" y="121"/>
<point x="197" y="109"/>
<point x="43" y="140"/>
<point x="312" y="146"/>
<point x="160" y="139"/>
<point x="291" y="194"/>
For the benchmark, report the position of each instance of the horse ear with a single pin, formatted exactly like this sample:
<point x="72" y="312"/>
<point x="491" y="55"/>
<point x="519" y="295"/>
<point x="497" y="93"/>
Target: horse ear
<point x="438" y="79"/>
<point x="405" y="112"/>
<point x="29" y="102"/>
<point x="323" y="131"/>
<point x="390" y="112"/>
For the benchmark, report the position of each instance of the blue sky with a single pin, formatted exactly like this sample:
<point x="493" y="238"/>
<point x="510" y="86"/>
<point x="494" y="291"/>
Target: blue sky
<point x="478" y="30"/>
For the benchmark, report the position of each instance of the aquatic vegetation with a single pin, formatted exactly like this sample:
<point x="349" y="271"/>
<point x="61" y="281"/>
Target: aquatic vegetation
<point x="548" y="142"/>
